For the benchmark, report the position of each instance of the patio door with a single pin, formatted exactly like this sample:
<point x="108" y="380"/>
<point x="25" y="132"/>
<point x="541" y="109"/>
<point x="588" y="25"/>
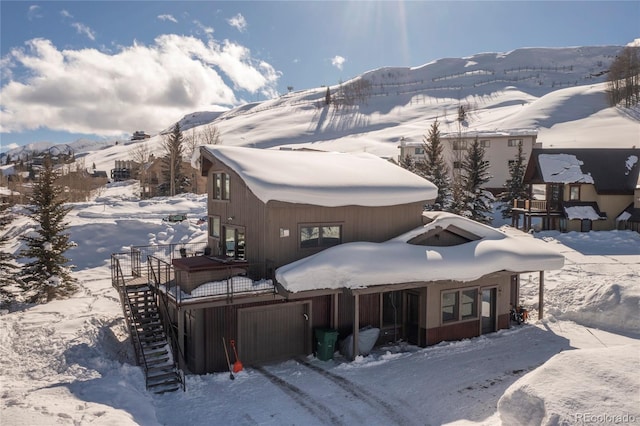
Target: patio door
<point x="234" y="242"/>
<point x="488" y="310"/>
<point x="413" y="317"/>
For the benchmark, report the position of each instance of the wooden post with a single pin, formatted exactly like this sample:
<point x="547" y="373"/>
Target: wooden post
<point x="334" y="311"/>
<point x="180" y="315"/>
<point x="356" y="324"/>
<point x="541" y="296"/>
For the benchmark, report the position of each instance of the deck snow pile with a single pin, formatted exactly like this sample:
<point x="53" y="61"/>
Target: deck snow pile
<point x="577" y="387"/>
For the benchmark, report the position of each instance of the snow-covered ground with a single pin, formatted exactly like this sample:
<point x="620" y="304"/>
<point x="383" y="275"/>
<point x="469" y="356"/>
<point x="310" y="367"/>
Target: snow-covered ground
<point x="70" y="361"/>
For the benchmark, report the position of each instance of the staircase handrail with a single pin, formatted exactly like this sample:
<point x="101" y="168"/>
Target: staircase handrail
<point x="124" y="299"/>
<point x="163" y="295"/>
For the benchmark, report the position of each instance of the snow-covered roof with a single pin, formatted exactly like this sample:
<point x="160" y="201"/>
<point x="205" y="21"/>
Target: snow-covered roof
<point x="562" y="168"/>
<point x="328" y="179"/>
<point x="582" y="212"/>
<point x="364" y="264"/>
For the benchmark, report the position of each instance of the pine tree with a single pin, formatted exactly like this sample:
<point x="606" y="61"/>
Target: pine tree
<point x="435" y="169"/>
<point x="174" y="178"/>
<point x="327" y="97"/>
<point x="408" y="163"/>
<point x="46" y="276"/>
<point x="7" y="267"/>
<point x="515" y="188"/>
<point x="477" y="201"/>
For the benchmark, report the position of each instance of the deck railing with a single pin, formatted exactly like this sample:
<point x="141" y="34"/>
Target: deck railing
<point x="535" y="205"/>
<point x="154" y="262"/>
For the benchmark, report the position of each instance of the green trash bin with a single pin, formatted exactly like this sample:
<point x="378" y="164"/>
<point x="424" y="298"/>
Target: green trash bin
<point x="326" y="339"/>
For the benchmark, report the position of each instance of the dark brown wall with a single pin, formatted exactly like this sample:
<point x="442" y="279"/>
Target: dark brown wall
<point x="262" y="222"/>
<point x="463" y="330"/>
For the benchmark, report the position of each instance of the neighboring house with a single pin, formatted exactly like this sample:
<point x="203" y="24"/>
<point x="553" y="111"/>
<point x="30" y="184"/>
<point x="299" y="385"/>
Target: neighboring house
<point x="501" y="148"/>
<point x="151" y="178"/>
<point x="582" y="190"/>
<point x="301" y="241"/>
<point x="139" y="135"/>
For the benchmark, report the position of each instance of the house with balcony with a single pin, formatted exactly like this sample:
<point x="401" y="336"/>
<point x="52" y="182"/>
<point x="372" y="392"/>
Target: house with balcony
<point x="501" y="148"/>
<point x="302" y="240"/>
<point x="581" y="190"/>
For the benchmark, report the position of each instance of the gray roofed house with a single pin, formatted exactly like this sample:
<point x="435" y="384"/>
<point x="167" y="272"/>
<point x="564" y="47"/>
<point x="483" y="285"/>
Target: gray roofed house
<point x="582" y="189"/>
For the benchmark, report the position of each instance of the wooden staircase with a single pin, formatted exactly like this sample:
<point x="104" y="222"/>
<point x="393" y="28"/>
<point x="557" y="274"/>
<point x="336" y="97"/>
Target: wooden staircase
<point x="152" y="347"/>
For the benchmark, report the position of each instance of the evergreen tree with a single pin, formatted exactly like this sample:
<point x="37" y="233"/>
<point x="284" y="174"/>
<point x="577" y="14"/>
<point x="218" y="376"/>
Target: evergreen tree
<point x="46" y="276"/>
<point x="435" y="169"/>
<point x="475" y="174"/>
<point x="327" y="97"/>
<point x="408" y="163"/>
<point x="515" y="188"/>
<point x="7" y="268"/>
<point x="174" y="178"/>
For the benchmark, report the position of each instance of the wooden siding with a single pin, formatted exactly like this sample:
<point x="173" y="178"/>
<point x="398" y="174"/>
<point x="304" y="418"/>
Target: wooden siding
<point x="274" y="333"/>
<point x="262" y="222"/>
<point x="458" y="331"/>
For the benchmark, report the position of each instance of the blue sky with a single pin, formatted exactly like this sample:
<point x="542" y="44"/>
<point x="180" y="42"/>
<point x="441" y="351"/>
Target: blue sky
<point x="104" y="69"/>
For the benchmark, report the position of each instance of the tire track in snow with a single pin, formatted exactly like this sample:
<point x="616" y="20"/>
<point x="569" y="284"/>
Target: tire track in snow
<point x="306" y="401"/>
<point x="361" y="394"/>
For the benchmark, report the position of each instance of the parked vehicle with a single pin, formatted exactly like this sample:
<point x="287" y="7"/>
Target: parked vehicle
<point x="175" y="218"/>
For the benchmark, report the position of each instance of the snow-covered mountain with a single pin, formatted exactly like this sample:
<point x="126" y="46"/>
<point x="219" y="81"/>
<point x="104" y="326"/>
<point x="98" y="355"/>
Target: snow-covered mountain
<point x="559" y="91"/>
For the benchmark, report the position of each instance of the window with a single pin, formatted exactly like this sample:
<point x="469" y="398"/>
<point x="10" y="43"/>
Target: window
<point x="459" y="145"/>
<point x="485" y="143"/>
<point x="320" y="236"/>
<point x="419" y="151"/>
<point x="514" y="142"/>
<point x="221" y="186"/>
<point x="574" y="193"/>
<point x="214" y="226"/>
<point x="459" y="305"/>
<point x="468" y="304"/>
<point x="450" y="306"/>
<point x="457" y="164"/>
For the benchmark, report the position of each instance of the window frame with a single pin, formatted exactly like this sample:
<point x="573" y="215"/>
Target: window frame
<point x="321" y="237"/>
<point x="419" y="151"/>
<point x="457" y="314"/>
<point x="459" y="145"/>
<point x="221" y="186"/>
<point x="515" y="142"/>
<point x="485" y="143"/>
<point x="572" y="188"/>
<point x="214" y="226"/>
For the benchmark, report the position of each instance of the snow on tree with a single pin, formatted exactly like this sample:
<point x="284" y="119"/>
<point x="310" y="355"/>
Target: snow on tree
<point x="435" y="168"/>
<point x="7" y="267"/>
<point x="475" y="174"/>
<point x="46" y="276"/>
<point x="515" y="188"/>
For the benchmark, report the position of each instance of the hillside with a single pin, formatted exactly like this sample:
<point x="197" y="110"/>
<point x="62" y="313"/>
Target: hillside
<point x="561" y="92"/>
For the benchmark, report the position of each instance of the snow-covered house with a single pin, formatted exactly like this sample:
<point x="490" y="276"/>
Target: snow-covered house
<point x="500" y="148"/>
<point x="302" y="240"/>
<point x="582" y="190"/>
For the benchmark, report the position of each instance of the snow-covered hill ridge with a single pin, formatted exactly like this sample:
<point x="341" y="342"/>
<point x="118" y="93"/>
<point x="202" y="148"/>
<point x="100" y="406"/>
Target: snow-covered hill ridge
<point x="561" y="92"/>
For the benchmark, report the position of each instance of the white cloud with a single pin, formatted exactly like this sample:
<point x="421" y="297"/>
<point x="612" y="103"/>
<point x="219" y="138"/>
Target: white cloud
<point x="83" y="29"/>
<point x="65" y="14"/>
<point x="634" y="43"/>
<point x="338" y="62"/>
<point x="34" y="12"/>
<point x="167" y="18"/>
<point x="206" y="30"/>
<point x="238" y="22"/>
<point x="137" y="87"/>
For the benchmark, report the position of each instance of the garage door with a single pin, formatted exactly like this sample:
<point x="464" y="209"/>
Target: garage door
<point x="273" y="333"/>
